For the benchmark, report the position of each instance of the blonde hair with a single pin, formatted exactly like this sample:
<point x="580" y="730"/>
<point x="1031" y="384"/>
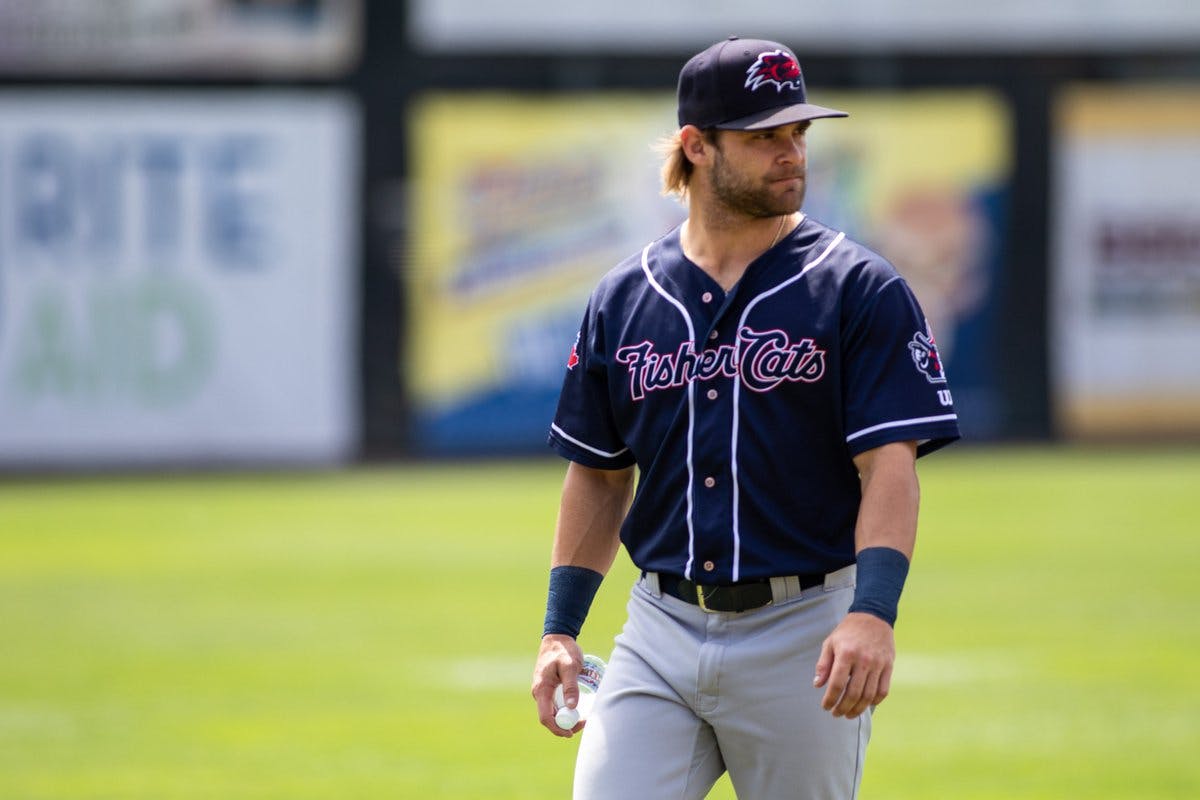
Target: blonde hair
<point x="677" y="168"/>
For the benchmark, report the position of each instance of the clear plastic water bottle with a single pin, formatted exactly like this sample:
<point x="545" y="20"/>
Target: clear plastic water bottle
<point x="589" y="681"/>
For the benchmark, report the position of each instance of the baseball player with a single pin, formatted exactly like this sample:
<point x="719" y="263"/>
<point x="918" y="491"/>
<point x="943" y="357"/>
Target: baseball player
<point x="773" y="383"/>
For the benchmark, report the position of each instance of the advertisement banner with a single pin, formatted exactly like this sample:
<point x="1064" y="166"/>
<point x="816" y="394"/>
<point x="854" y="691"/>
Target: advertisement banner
<point x="819" y="26"/>
<point x="512" y="229"/>
<point x="226" y="38"/>
<point x="176" y="277"/>
<point x="1126" y="267"/>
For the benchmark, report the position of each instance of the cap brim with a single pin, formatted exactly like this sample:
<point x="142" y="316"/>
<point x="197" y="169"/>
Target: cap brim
<point x="785" y="115"/>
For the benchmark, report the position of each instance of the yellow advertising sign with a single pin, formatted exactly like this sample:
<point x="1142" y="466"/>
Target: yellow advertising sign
<point x="521" y="203"/>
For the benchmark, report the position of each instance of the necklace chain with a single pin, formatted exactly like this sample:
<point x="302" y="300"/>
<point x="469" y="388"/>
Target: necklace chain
<point x="778" y="231"/>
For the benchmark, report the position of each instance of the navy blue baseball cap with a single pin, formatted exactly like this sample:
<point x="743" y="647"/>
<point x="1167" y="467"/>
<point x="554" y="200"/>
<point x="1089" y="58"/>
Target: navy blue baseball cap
<point x="745" y="84"/>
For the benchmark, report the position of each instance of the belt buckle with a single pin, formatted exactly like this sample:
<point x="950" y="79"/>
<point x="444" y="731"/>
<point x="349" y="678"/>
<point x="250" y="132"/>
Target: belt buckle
<point x="700" y="599"/>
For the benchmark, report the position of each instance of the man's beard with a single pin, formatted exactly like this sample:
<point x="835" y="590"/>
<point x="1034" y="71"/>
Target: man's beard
<point x="754" y="199"/>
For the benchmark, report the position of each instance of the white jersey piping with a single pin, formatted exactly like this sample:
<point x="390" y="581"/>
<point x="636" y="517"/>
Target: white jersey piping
<point x="554" y="427"/>
<point x="900" y="423"/>
<point x="691" y="390"/>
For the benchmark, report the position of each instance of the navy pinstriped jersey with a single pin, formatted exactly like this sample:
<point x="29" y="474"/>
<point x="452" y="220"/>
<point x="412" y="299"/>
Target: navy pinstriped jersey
<point x="743" y="410"/>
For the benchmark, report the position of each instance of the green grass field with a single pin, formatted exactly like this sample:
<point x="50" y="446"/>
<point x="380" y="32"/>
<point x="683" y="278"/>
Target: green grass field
<point x="370" y="633"/>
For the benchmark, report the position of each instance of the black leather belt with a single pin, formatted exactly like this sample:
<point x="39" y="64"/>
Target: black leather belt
<point x="735" y="598"/>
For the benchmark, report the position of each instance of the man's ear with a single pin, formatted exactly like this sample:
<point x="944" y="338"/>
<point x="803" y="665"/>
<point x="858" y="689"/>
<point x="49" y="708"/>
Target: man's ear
<point x="696" y="146"/>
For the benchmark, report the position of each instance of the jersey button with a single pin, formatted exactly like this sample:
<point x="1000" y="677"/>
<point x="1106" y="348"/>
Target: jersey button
<point x="710" y="481"/>
<point x="706" y="297"/>
<point x="713" y="335"/>
<point x="709" y="566"/>
<point x="712" y="394"/>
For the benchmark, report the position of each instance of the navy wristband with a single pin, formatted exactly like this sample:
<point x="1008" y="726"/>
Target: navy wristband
<point x="572" y="590"/>
<point x="881" y="575"/>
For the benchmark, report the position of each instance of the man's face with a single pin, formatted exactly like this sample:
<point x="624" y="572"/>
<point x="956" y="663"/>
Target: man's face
<point x="760" y="173"/>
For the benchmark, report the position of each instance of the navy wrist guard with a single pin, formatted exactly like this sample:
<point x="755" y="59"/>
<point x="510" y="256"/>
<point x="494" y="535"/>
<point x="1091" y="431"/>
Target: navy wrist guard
<point x="572" y="590"/>
<point x="881" y="575"/>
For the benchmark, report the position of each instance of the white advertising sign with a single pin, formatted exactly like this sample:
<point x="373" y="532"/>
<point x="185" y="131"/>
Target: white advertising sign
<point x="279" y="38"/>
<point x="838" y="26"/>
<point x="176" y="276"/>
<point x="1126" y="268"/>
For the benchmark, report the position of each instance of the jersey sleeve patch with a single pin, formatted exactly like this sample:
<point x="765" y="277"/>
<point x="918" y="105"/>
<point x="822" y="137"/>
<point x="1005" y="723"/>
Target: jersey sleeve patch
<point x="925" y="355"/>
<point x="573" y="358"/>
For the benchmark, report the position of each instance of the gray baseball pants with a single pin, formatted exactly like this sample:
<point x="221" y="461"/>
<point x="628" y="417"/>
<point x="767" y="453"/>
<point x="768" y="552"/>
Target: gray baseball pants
<point x="690" y="694"/>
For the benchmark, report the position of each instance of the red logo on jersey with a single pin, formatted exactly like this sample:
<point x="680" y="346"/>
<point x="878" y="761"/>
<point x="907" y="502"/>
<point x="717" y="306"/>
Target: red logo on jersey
<point x="573" y="359"/>
<point x="775" y="67"/>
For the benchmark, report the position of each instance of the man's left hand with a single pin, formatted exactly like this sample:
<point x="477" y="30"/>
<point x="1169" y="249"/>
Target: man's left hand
<point x="855" y="666"/>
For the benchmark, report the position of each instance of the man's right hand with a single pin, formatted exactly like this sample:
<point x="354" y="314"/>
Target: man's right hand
<point x="558" y="662"/>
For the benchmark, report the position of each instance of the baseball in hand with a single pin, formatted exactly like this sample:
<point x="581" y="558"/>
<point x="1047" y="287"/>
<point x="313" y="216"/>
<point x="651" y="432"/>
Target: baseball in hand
<point x="566" y="718"/>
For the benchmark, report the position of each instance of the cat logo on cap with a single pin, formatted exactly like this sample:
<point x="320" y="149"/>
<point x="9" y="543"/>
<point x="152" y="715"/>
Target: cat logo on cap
<point x="777" y="67"/>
